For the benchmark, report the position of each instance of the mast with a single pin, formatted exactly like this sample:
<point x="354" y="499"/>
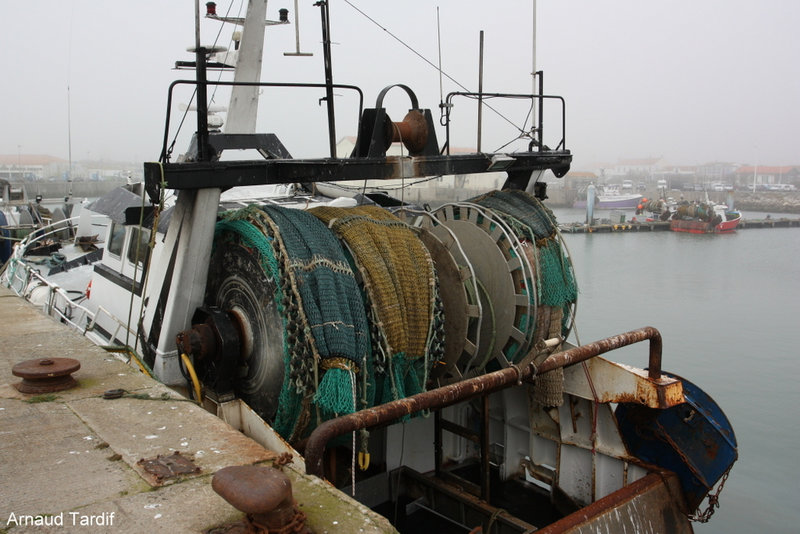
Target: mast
<point x="480" y="90"/>
<point x="243" y="109"/>
<point x="191" y="230"/>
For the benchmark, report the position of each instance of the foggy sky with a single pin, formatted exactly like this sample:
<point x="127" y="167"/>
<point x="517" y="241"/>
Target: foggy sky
<point x="690" y="81"/>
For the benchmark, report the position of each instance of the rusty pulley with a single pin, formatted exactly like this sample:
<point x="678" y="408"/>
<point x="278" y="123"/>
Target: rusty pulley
<point x="412" y="132"/>
<point x="46" y="375"/>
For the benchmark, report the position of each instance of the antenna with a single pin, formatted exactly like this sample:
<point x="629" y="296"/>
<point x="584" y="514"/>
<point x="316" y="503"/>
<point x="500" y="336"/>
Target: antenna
<point x="444" y="109"/>
<point x="69" y="143"/>
<point x="480" y="91"/>
<point x="439" y="39"/>
<point x="533" y="50"/>
<point x="297" y="51"/>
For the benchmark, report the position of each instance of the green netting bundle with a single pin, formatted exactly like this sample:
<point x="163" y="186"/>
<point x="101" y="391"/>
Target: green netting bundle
<point x="331" y="304"/>
<point x="326" y="341"/>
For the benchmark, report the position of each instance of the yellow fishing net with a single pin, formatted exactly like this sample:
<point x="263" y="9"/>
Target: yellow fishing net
<point x="397" y="270"/>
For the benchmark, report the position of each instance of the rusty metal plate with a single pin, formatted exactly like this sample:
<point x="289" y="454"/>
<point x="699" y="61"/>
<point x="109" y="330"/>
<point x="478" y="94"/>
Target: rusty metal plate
<point x="46" y="375"/>
<point x="163" y="468"/>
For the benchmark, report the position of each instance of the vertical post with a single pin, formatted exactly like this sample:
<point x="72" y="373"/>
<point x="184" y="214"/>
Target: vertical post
<point x="541" y="110"/>
<point x="202" y="96"/>
<point x="485" y="474"/>
<point x="326" y="48"/>
<point x="480" y="91"/>
<point x="202" y="105"/>
<point x="533" y="73"/>
<point x="243" y="106"/>
<point x="191" y="233"/>
<point x="437" y="442"/>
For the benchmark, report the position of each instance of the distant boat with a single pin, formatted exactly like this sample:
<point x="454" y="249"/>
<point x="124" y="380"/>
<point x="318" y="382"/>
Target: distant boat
<point x="705" y="218"/>
<point x="618" y="201"/>
<point x="20" y="216"/>
<point x="612" y="198"/>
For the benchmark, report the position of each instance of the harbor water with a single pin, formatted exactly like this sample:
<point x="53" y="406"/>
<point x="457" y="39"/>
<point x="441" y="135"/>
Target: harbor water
<point x="728" y="308"/>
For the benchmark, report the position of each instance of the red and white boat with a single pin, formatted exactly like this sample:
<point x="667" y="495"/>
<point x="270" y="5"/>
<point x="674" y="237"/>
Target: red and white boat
<point x="705" y="218"/>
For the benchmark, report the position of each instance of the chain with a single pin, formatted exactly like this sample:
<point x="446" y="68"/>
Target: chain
<point x="713" y="502"/>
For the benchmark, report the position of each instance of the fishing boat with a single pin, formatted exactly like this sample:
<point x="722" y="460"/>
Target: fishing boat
<point x="704" y="218"/>
<point x="417" y="359"/>
<point x="19" y="216"/>
<point x="611" y="197"/>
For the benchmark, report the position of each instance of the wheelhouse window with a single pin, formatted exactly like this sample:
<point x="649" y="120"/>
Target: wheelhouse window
<point x="137" y="246"/>
<point x="117" y="239"/>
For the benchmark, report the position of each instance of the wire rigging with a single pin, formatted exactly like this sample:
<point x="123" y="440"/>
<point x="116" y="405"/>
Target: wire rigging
<point x="194" y="93"/>
<point x="429" y="62"/>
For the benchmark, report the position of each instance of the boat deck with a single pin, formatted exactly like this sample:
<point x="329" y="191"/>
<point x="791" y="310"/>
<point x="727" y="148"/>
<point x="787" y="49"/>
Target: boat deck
<point x="73" y="458"/>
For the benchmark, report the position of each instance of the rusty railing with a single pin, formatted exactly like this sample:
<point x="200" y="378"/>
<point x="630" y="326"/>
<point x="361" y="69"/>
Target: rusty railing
<point x="466" y="389"/>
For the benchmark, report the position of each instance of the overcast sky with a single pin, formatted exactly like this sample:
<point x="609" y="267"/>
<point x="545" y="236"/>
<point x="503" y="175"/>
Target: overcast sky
<point x="692" y="81"/>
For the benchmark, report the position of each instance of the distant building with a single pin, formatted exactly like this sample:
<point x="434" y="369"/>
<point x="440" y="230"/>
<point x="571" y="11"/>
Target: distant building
<point x="638" y="167"/>
<point x="717" y="171"/>
<point x="27" y="167"/>
<point x="579" y="180"/>
<point x="764" y="175"/>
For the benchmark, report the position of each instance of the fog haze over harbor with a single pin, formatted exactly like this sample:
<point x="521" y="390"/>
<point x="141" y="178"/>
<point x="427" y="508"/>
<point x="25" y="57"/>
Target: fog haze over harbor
<point x="686" y="81"/>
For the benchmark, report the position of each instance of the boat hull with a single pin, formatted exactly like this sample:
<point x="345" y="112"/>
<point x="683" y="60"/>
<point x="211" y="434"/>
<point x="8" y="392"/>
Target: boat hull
<point x="618" y="201"/>
<point x="703" y="227"/>
<point x="611" y="202"/>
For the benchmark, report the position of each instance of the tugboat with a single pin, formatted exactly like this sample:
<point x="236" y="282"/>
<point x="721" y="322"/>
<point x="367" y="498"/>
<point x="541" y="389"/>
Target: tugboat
<point x="417" y="359"/>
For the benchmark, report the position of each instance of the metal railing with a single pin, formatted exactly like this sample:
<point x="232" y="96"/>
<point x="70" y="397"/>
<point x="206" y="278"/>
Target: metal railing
<point x="25" y="280"/>
<point x="467" y="389"/>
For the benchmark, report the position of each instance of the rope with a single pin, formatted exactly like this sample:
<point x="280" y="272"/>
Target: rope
<point x="198" y="395"/>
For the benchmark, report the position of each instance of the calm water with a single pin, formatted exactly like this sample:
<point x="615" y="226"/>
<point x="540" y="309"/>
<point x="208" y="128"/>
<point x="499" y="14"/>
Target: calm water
<point x="728" y="308"/>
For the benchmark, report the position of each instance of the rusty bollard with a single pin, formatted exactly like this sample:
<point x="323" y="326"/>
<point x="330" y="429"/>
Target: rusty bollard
<point x="264" y="494"/>
<point x="46" y="375"/>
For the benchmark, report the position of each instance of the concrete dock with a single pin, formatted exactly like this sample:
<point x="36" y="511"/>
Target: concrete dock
<point x="71" y="461"/>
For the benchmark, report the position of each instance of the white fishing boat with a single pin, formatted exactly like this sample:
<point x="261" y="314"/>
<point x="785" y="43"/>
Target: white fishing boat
<point x="417" y="360"/>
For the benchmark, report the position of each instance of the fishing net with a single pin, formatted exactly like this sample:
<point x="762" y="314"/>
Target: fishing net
<point x="549" y="390"/>
<point x="400" y="283"/>
<point x="327" y="360"/>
